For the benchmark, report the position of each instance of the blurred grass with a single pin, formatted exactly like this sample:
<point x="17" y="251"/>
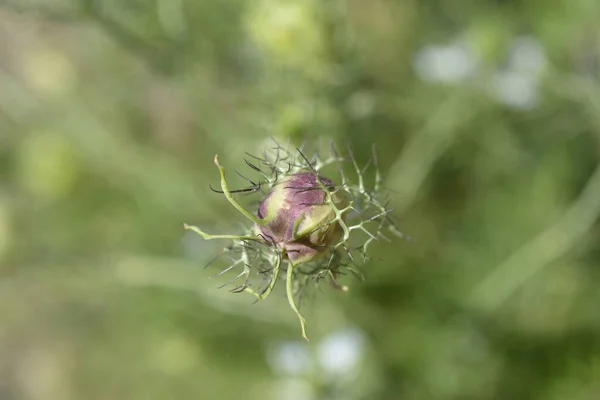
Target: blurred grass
<point x="486" y="119"/>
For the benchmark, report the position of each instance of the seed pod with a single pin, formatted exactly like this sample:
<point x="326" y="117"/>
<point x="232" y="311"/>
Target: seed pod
<point x="299" y="215"/>
<point x="302" y="228"/>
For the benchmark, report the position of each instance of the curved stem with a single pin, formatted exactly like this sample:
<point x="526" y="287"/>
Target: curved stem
<point x="290" y="295"/>
<point x="208" y="236"/>
<point x="230" y="198"/>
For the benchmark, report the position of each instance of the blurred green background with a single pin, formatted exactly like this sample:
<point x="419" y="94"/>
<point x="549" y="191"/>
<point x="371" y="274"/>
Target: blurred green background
<point x="486" y="115"/>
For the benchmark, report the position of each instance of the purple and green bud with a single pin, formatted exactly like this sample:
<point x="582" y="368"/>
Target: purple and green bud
<point x="306" y="225"/>
<point x="300" y="218"/>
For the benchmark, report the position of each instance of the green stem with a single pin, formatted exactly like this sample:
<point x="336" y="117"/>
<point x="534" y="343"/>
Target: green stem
<point x="290" y="295"/>
<point x="230" y="198"/>
<point x="208" y="236"/>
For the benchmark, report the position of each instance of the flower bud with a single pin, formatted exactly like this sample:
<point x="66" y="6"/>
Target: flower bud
<point x="299" y="216"/>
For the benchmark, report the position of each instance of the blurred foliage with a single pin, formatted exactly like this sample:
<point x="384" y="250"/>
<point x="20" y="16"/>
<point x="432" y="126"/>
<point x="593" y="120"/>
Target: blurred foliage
<point x="486" y="116"/>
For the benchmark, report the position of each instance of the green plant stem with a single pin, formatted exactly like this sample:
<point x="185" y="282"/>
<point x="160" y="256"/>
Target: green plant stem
<point x="225" y="188"/>
<point x="208" y="236"/>
<point x="290" y="295"/>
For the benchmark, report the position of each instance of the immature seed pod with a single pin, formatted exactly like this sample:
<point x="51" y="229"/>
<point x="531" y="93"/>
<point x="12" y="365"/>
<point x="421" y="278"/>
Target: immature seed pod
<point x="301" y="216"/>
<point x="303" y="227"/>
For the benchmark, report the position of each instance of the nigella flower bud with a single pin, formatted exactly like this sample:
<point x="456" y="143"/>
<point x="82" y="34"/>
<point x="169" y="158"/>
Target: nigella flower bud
<point x="300" y="216"/>
<point x="303" y="217"/>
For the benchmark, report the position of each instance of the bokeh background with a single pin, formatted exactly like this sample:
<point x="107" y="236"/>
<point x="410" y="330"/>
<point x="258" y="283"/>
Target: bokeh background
<point x="486" y="116"/>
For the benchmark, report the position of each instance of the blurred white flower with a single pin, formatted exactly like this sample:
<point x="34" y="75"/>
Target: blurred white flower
<point x="527" y="56"/>
<point x="515" y="86"/>
<point x="515" y="89"/>
<point x="447" y="64"/>
<point x="289" y="358"/>
<point x="340" y="352"/>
